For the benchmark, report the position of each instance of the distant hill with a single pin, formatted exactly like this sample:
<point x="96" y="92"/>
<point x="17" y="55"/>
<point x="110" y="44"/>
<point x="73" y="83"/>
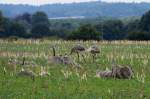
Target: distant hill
<point x="87" y="9"/>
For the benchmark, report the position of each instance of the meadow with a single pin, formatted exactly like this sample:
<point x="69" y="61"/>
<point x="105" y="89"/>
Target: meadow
<point x="66" y="82"/>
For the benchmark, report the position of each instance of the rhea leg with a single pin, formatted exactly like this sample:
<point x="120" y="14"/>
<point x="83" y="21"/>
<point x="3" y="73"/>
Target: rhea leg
<point x="78" y="56"/>
<point x="94" y="57"/>
<point x="83" y="58"/>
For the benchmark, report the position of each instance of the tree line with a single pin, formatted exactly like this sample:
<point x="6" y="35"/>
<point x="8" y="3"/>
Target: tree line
<point x="38" y="25"/>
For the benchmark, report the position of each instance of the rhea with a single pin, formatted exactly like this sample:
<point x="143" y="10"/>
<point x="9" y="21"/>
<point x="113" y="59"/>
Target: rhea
<point x="56" y="58"/>
<point x="118" y="71"/>
<point x="28" y="73"/>
<point x="122" y="72"/>
<point x="61" y="59"/>
<point x="78" y="49"/>
<point x="94" y="50"/>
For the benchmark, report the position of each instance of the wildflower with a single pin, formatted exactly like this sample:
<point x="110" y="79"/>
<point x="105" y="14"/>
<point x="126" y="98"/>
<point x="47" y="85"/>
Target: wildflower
<point x="4" y="70"/>
<point x="66" y="73"/>
<point x="145" y="62"/>
<point x="84" y="77"/>
<point x="44" y="72"/>
<point x="140" y="78"/>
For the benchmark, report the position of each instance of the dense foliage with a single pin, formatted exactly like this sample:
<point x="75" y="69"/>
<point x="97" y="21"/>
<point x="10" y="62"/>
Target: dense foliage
<point x="85" y="32"/>
<point x="145" y="22"/>
<point x="38" y="25"/>
<point x="1" y="22"/>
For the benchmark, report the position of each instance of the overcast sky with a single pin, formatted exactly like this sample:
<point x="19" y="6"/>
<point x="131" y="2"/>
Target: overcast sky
<point x="39" y="2"/>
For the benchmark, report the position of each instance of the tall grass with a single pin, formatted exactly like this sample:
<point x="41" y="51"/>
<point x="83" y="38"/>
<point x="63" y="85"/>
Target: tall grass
<point x="66" y="82"/>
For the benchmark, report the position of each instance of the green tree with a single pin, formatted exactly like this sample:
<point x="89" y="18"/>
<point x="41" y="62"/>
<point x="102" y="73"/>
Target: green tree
<point x="85" y="32"/>
<point x="40" y="25"/>
<point x="145" y="22"/>
<point x="6" y="28"/>
<point x="132" y="26"/>
<point x="40" y="18"/>
<point x="40" y="30"/>
<point x="24" y="19"/>
<point x="1" y="22"/>
<point x="113" y="30"/>
<point x="17" y="29"/>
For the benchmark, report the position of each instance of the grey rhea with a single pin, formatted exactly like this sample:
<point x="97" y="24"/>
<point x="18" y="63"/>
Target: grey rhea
<point x="78" y="49"/>
<point x="94" y="50"/>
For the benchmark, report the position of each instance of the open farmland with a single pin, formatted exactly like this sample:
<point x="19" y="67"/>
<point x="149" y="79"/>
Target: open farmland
<point x="66" y="82"/>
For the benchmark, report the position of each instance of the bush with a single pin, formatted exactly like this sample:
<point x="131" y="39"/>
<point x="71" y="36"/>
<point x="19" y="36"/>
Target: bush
<point x="138" y="36"/>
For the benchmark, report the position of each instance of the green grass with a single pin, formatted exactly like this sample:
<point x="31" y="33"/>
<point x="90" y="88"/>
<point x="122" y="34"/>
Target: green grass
<point x="56" y="86"/>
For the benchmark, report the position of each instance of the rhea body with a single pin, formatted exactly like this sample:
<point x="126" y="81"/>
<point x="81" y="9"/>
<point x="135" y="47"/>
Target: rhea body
<point x="94" y="50"/>
<point x="78" y="49"/>
<point x="118" y="71"/>
<point x="61" y="59"/>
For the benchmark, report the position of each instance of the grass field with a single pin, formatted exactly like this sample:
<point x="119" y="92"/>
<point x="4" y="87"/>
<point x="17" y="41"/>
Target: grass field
<point x="66" y="82"/>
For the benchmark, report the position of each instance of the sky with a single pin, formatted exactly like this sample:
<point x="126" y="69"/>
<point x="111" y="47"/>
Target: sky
<point x="40" y="2"/>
